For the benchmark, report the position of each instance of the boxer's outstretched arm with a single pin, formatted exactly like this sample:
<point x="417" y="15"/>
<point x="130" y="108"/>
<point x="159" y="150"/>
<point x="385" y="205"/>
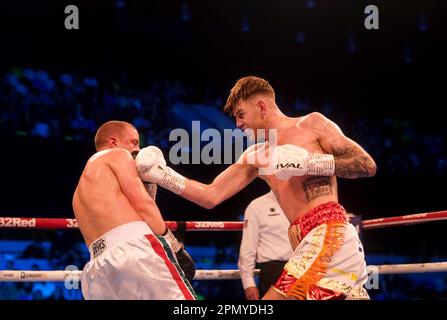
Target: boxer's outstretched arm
<point x="123" y="166"/>
<point x="229" y="182"/>
<point x="152" y="168"/>
<point x="351" y="160"/>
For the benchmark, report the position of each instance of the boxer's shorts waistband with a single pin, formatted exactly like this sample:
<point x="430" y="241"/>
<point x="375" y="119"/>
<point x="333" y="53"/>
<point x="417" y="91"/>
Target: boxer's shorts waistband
<point x="127" y="231"/>
<point x="329" y="212"/>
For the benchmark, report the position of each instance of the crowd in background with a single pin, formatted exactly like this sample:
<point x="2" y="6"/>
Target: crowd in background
<point x="71" y="106"/>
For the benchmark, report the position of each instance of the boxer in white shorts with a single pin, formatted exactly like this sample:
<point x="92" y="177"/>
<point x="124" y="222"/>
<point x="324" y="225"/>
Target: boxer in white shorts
<point x="131" y="248"/>
<point x="124" y="257"/>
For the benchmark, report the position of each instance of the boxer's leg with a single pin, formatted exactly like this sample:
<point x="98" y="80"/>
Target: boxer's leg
<point x="273" y="294"/>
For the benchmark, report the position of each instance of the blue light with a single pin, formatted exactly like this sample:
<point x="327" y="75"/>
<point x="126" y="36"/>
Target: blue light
<point x="184" y="12"/>
<point x="352" y="46"/>
<point x="422" y="22"/>
<point x="300" y="37"/>
<point x="310" y="4"/>
<point x="245" y="24"/>
<point x="407" y="55"/>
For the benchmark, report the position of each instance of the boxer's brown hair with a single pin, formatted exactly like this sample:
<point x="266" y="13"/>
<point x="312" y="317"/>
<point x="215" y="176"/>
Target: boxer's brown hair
<point x="108" y="129"/>
<point x="245" y="88"/>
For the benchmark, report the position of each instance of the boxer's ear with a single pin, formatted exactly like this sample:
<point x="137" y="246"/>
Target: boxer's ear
<point x="261" y="104"/>
<point x="113" y="142"/>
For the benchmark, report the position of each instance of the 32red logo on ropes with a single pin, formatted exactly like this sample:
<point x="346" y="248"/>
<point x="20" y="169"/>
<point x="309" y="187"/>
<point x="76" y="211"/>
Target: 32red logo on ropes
<point x="17" y="222"/>
<point x="209" y="225"/>
<point x="71" y="223"/>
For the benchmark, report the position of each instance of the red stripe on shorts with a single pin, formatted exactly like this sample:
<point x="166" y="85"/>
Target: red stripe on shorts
<point x="158" y="248"/>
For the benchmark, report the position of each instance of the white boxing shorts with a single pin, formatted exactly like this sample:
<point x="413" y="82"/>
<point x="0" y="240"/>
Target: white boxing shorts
<point x="130" y="263"/>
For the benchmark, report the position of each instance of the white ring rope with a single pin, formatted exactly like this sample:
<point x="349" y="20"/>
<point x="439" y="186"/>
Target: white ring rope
<point x="61" y="275"/>
<point x="409" y="268"/>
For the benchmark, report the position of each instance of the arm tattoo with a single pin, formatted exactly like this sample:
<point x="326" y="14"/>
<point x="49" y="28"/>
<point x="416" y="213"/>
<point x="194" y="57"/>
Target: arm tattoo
<point x="352" y="162"/>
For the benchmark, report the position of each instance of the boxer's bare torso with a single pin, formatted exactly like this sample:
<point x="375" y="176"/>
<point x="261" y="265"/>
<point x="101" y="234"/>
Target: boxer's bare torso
<point x="298" y="195"/>
<point x="98" y="202"/>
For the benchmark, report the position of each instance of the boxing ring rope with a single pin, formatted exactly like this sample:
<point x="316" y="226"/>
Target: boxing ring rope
<point x="61" y="275"/>
<point x="404" y="220"/>
<point x="74" y="275"/>
<point x="62" y="223"/>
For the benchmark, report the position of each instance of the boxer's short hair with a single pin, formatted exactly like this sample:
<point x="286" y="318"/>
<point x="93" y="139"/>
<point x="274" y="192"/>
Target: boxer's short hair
<point x="108" y="129"/>
<point x="245" y="88"/>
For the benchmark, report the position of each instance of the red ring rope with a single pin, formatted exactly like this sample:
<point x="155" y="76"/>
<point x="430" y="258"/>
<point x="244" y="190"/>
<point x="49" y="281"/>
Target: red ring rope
<point x="62" y="223"/>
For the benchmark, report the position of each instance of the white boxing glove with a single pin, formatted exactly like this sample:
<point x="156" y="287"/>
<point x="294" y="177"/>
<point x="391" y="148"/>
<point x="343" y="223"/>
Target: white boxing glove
<point x="151" y="166"/>
<point x="290" y="160"/>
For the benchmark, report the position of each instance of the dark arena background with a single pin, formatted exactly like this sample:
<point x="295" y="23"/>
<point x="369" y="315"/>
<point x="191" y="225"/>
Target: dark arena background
<point x="163" y="64"/>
